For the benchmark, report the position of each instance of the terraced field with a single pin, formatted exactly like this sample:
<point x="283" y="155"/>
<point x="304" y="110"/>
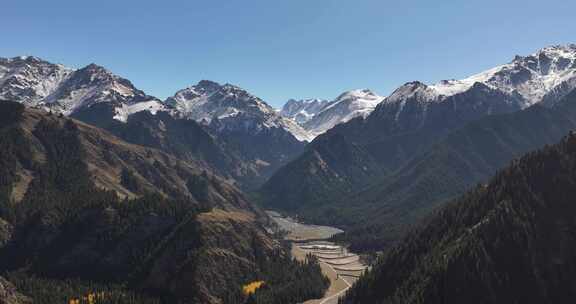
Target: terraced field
<point x="337" y="263"/>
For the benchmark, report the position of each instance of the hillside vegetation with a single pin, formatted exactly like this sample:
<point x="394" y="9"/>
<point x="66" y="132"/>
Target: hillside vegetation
<point x="510" y="241"/>
<point x="84" y="213"/>
<point x="377" y="215"/>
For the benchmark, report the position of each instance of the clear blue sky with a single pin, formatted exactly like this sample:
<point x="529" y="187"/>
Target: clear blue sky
<point x="280" y="49"/>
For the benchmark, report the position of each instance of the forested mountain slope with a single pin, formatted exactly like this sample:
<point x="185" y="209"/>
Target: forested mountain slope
<point x="245" y="141"/>
<point x="376" y="216"/>
<point x="86" y="213"/>
<point x="183" y="138"/>
<point x="509" y="241"/>
<point x="413" y="118"/>
<point x="380" y="213"/>
<point x="405" y="124"/>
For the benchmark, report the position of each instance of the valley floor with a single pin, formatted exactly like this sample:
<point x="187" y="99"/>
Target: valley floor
<point x="341" y="266"/>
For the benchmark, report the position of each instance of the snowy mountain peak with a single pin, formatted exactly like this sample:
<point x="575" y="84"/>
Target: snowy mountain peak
<point x="559" y="51"/>
<point x="229" y="107"/>
<point x="94" y="84"/>
<point x="208" y="100"/>
<point x="551" y="70"/>
<point x="38" y="83"/>
<point x="207" y="86"/>
<point x="30" y="79"/>
<point x="358" y="94"/>
<point x="417" y="90"/>
<point x="317" y="116"/>
<point x="23" y="59"/>
<point x="304" y="109"/>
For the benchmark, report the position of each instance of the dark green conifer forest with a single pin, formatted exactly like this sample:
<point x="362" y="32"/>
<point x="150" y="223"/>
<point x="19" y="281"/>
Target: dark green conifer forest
<point x="509" y="241"/>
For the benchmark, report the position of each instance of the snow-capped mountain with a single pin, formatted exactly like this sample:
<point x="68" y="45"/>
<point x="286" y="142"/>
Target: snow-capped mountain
<point x="547" y="74"/>
<point x="230" y="107"/>
<point x="347" y="106"/>
<point x="243" y="138"/>
<point x="318" y="116"/>
<point x="38" y="83"/>
<point x="303" y="110"/>
<point x="30" y="80"/>
<point x="543" y="77"/>
<point x="411" y="120"/>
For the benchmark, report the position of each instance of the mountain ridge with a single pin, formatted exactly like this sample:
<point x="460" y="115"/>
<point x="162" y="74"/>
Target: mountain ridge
<point x="239" y="136"/>
<point x="410" y="120"/>
<point x="85" y="212"/>
<point x="209" y="100"/>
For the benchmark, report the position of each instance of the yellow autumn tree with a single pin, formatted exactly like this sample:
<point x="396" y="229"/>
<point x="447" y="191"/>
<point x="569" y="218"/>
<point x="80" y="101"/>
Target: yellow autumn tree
<point x="251" y="288"/>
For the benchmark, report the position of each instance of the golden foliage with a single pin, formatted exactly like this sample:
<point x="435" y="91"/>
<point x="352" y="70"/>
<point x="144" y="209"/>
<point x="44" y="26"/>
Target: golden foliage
<point x="251" y="288"/>
<point x="91" y="298"/>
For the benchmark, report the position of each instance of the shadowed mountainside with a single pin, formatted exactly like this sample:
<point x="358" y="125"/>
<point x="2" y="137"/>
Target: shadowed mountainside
<point x="509" y="241"/>
<point x="84" y="212"/>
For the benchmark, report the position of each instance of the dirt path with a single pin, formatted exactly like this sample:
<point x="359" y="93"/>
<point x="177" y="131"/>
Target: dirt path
<point x="337" y="284"/>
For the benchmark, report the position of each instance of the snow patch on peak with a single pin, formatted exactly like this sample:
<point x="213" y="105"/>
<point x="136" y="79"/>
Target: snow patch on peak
<point x="358" y="94"/>
<point x="303" y="110"/>
<point x="362" y="98"/>
<point x="125" y="110"/>
<point x="559" y="51"/>
<point x="413" y="90"/>
<point x="453" y="86"/>
<point x="349" y="105"/>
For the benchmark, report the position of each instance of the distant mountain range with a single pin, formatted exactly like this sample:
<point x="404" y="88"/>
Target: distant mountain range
<point x="303" y="110"/>
<point x="326" y="183"/>
<point x="148" y="195"/>
<point x="39" y="83"/>
<point x="318" y="116"/>
<point x="256" y="137"/>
